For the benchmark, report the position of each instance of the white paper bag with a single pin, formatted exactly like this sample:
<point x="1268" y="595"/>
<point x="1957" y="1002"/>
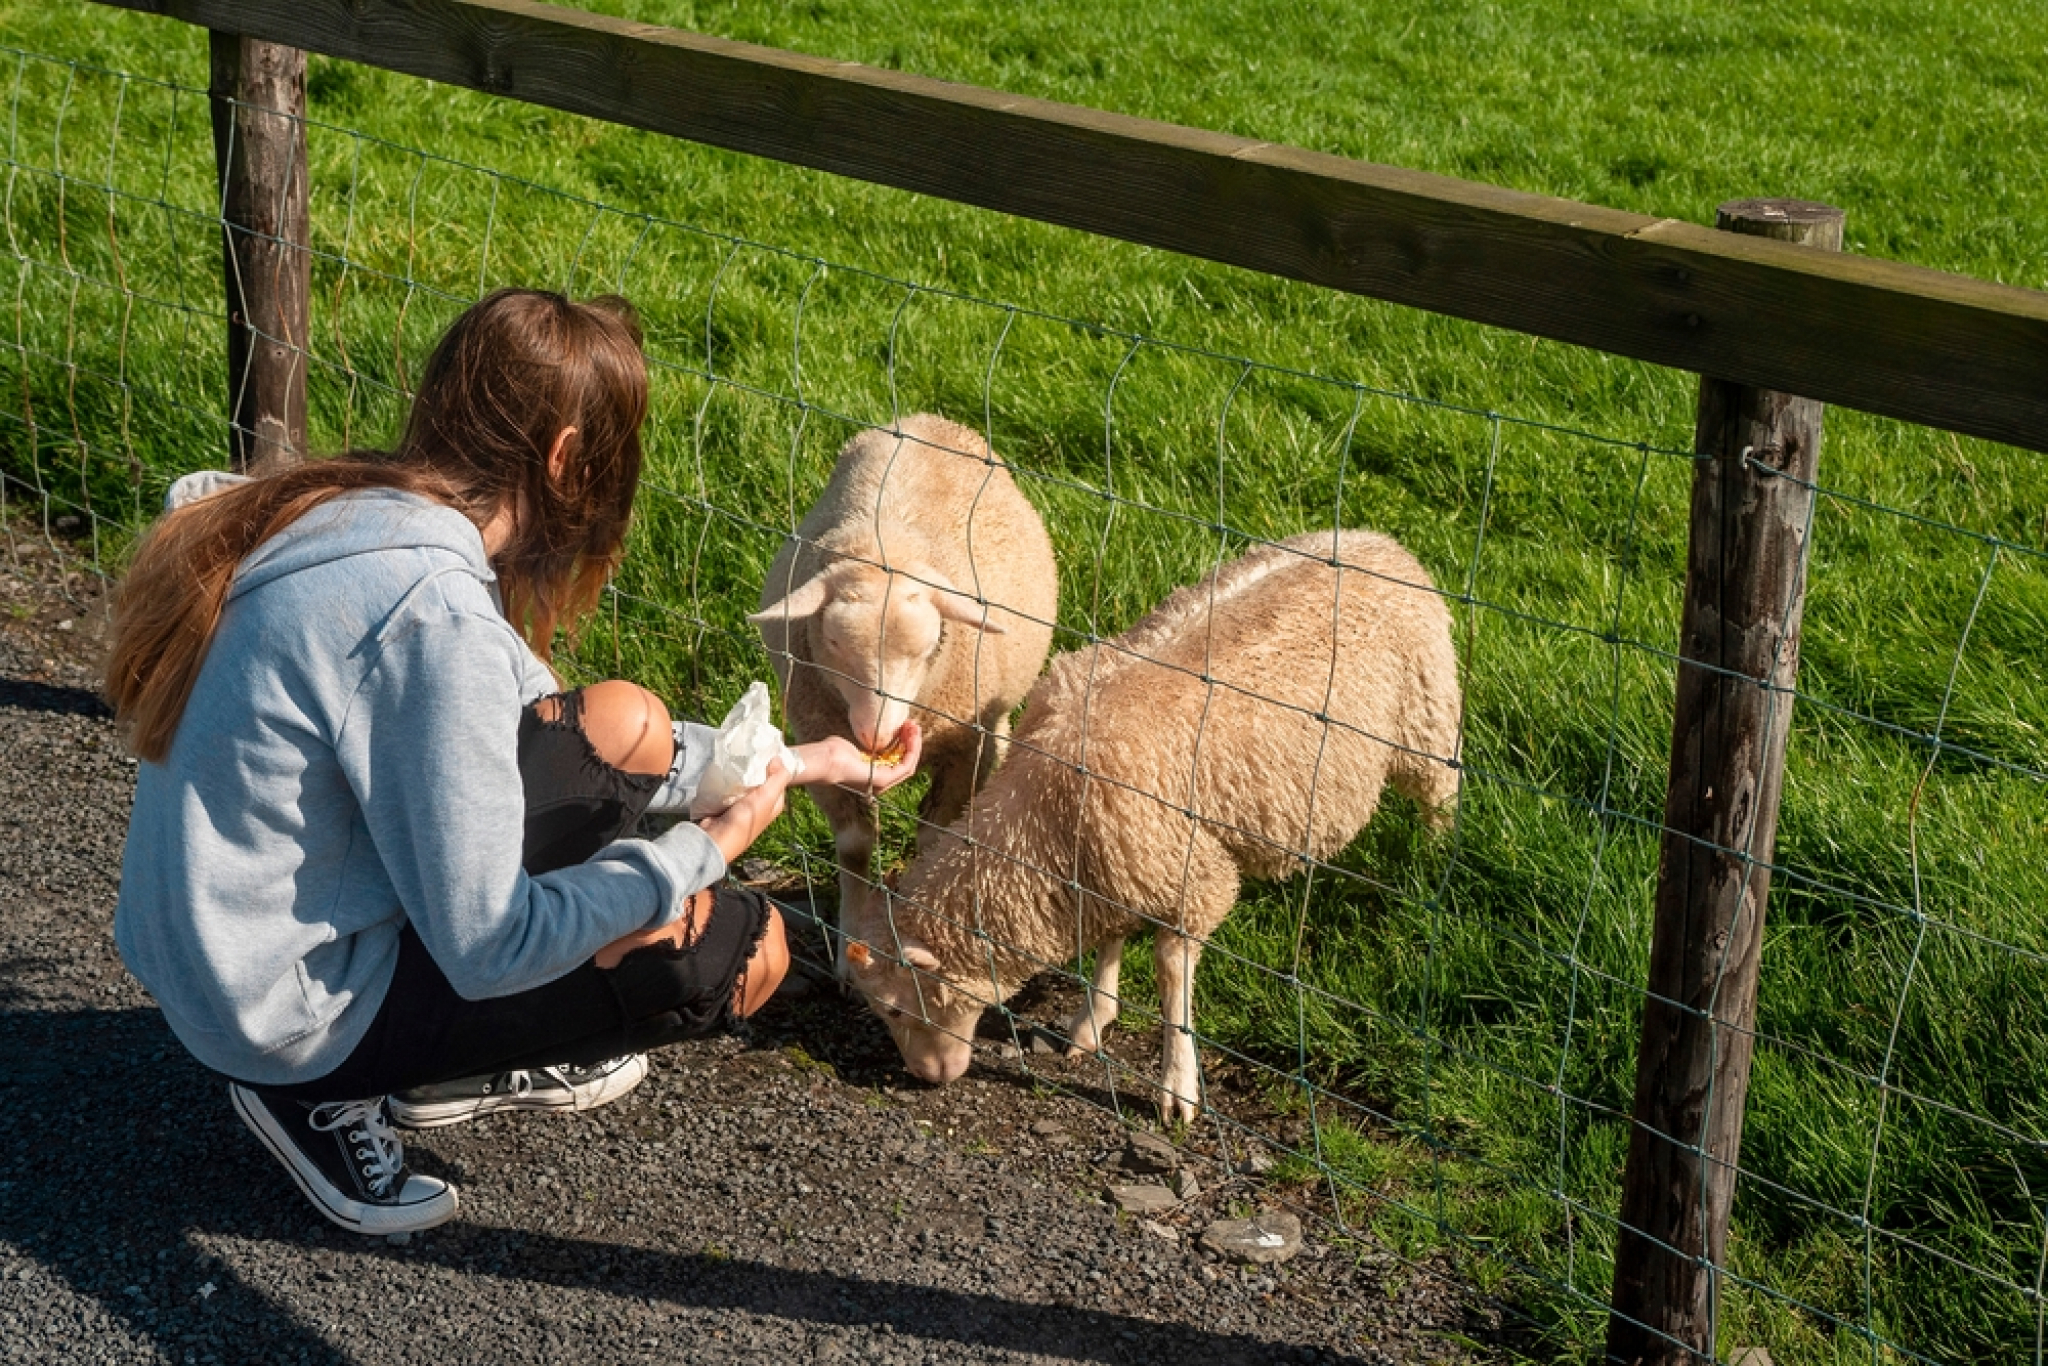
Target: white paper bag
<point x="747" y="743"/>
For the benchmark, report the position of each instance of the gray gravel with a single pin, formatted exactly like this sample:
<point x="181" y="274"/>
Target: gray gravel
<point x="791" y="1196"/>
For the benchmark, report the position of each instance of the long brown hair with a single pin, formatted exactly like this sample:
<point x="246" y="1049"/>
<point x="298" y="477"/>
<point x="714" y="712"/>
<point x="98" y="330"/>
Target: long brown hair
<point x="514" y="371"/>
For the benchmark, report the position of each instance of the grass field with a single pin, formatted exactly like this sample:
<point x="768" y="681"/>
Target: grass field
<point x="1474" y="1002"/>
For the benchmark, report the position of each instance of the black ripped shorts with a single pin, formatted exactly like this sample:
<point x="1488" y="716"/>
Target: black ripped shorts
<point x="575" y="805"/>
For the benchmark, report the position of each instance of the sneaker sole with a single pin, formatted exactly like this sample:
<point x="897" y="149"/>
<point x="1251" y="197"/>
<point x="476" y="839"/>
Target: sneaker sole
<point x="436" y="1114"/>
<point x="354" y="1215"/>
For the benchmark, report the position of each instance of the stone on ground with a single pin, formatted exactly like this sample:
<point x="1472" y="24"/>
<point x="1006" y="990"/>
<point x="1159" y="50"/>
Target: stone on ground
<point x="1149" y="1155"/>
<point x="1143" y="1199"/>
<point x="1273" y="1237"/>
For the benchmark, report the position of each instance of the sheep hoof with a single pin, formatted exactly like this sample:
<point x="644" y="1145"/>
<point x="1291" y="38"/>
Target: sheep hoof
<point x="1175" y="1109"/>
<point x="1084" y="1033"/>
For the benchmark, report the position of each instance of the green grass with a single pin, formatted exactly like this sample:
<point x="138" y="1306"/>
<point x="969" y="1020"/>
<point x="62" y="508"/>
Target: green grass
<point x="1461" y="979"/>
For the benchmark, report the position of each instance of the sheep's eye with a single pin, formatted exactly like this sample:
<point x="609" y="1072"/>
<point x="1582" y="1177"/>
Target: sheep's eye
<point x="892" y="1012"/>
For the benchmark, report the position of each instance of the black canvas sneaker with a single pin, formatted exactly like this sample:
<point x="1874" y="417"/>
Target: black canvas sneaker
<point x="344" y="1156"/>
<point x="549" y="1088"/>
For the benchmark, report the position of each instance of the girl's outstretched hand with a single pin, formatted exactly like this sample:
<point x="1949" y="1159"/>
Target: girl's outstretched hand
<point x="840" y="762"/>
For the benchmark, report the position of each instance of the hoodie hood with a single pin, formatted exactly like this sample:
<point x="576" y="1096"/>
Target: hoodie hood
<point x="364" y="522"/>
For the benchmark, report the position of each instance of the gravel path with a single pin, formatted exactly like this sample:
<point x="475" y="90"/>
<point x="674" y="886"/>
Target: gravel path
<point x="788" y="1197"/>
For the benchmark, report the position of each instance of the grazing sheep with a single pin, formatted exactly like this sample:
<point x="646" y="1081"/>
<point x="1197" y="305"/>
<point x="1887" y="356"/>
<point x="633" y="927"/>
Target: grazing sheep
<point x="1138" y="791"/>
<point x="951" y="633"/>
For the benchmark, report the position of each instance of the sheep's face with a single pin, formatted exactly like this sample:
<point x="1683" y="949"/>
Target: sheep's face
<point x="879" y="636"/>
<point x="931" y="1019"/>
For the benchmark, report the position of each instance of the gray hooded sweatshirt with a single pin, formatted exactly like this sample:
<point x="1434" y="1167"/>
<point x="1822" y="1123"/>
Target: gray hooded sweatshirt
<point x="347" y="764"/>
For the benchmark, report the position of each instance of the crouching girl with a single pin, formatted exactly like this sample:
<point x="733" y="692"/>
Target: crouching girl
<point x="378" y="867"/>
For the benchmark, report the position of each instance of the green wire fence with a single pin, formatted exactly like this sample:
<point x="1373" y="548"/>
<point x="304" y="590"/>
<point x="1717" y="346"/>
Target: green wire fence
<point x="1434" y="1036"/>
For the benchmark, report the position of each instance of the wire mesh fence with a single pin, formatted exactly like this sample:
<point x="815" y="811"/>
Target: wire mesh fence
<point x="1435" y="1033"/>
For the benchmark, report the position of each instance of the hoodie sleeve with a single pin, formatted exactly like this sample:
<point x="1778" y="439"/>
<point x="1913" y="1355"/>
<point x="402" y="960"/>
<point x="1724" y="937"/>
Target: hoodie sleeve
<point x="694" y="746"/>
<point x="429" y="744"/>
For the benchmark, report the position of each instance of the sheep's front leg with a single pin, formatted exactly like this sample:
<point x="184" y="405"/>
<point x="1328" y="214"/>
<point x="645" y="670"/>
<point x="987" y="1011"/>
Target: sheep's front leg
<point x="1176" y="954"/>
<point x="1086" y="1027"/>
<point x="993" y="744"/>
<point x="856" y="826"/>
<point x="950" y="764"/>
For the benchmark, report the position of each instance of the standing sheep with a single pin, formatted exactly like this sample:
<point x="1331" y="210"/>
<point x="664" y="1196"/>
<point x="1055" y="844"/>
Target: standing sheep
<point x="921" y="586"/>
<point x="1246" y="725"/>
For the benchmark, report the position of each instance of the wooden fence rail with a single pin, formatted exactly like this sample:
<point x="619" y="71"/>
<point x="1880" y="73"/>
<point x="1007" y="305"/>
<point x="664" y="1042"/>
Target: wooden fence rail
<point x="1929" y="347"/>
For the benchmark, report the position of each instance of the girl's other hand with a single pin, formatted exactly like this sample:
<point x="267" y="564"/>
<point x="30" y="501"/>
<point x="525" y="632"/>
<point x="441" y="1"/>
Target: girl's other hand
<point x="838" y="761"/>
<point x="674" y="935"/>
<point x="735" y="829"/>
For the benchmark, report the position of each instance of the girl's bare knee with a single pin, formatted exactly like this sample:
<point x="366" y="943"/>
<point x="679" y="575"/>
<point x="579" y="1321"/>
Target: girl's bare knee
<point x="628" y="727"/>
<point x="765" y="970"/>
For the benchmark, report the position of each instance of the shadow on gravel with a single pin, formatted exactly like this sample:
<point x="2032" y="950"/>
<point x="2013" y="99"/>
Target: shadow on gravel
<point x="123" y="1158"/>
<point x="119" y="1151"/>
<point x="825" y="1300"/>
<point x="20" y="694"/>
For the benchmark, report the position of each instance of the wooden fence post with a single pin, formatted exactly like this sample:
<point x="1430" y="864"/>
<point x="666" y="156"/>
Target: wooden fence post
<point x="259" y="145"/>
<point x="1745" y="589"/>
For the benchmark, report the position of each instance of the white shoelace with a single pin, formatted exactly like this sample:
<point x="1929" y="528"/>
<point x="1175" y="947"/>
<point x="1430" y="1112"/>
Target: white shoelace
<point x="382" y="1157"/>
<point x="520" y="1084"/>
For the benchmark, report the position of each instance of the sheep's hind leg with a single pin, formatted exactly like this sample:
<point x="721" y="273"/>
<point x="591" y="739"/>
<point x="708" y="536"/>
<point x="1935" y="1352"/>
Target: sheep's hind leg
<point x="1176" y="954"/>
<point x="1207" y="892"/>
<point x="1086" y="1027"/>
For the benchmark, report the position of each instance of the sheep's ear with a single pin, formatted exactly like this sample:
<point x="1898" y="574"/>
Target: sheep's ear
<point x="957" y="606"/>
<point x="803" y="601"/>
<point x="920" y="957"/>
<point x="951" y="603"/>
